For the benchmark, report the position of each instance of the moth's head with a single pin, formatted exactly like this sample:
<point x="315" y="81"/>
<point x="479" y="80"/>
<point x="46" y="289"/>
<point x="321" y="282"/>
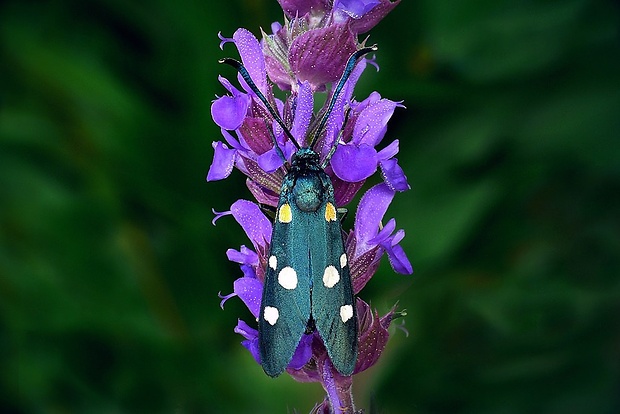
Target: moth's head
<point x="305" y="157"/>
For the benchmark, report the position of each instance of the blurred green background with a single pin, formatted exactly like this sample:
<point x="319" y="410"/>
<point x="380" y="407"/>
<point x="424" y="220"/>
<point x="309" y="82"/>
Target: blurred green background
<point x="110" y="267"/>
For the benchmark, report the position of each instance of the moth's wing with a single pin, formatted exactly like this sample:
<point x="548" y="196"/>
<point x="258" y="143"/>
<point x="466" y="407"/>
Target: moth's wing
<point x="285" y="306"/>
<point x="333" y="304"/>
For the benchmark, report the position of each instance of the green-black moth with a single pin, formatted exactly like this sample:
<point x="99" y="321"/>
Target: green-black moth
<point x="307" y="279"/>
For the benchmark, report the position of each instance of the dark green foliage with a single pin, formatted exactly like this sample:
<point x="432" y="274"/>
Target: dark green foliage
<point x="110" y="267"/>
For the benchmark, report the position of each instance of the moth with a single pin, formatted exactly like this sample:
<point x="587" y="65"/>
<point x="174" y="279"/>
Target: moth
<point x="307" y="280"/>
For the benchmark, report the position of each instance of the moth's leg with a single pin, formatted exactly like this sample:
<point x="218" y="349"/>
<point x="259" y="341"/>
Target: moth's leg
<point x="270" y="211"/>
<point x="341" y="213"/>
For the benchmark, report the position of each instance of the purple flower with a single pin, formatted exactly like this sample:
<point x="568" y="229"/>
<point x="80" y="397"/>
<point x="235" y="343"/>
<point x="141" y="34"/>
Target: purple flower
<point x="367" y="242"/>
<point x="361" y="15"/>
<point x="364" y="14"/>
<point x="228" y="112"/>
<point x="358" y="149"/>
<point x="261" y="132"/>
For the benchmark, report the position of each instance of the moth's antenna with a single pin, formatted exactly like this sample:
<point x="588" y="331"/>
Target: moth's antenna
<point x="248" y="79"/>
<point x="275" y="143"/>
<point x="343" y="79"/>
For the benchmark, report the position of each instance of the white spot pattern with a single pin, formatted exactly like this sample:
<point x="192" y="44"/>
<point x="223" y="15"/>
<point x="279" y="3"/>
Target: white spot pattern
<point x="287" y="278"/>
<point x="330" y="277"/>
<point x="271" y="315"/>
<point x="343" y="260"/>
<point x="273" y="262"/>
<point x="346" y="312"/>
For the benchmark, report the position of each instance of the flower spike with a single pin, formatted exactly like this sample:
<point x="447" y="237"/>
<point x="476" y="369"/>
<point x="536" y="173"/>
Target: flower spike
<point x="302" y="274"/>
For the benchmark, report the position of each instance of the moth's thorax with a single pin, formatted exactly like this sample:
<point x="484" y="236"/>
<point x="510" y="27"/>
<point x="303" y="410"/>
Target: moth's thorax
<point x="308" y="190"/>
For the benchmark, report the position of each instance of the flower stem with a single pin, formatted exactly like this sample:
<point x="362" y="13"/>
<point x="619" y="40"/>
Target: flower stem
<point x="339" y="389"/>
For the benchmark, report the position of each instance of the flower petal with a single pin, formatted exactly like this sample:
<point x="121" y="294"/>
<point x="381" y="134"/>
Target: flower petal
<point x="384" y="233"/>
<point x="351" y="163"/>
<point x="228" y="111"/>
<point x="370" y="212"/>
<point x="256" y="226"/>
<point x="347" y="91"/>
<point x="398" y="259"/>
<point x="390" y="244"/>
<point x="389" y="151"/>
<point x="251" y="335"/>
<point x="270" y="160"/>
<point x="355" y="8"/>
<point x="250" y="291"/>
<point x="232" y="141"/>
<point x="223" y="162"/>
<point x="245" y="330"/>
<point x="252" y="57"/>
<point x="245" y="256"/>
<point x="393" y="175"/>
<point x="371" y="124"/>
<point x="302" y="354"/>
<point x="303" y="112"/>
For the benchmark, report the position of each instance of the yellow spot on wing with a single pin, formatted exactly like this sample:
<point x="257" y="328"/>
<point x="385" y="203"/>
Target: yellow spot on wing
<point x="330" y="212"/>
<point x="285" y="214"/>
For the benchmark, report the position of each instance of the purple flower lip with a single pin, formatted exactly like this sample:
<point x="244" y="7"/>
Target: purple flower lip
<point x="228" y="112"/>
<point x="356" y="9"/>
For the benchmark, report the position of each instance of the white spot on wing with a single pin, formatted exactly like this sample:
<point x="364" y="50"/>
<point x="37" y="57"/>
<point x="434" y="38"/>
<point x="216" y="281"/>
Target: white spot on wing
<point x="330" y="277"/>
<point x="287" y="278"/>
<point x="343" y="260"/>
<point x="273" y="262"/>
<point x="271" y="315"/>
<point x="346" y="312"/>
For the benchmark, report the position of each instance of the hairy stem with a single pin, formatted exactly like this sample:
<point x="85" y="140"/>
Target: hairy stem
<point x="339" y="389"/>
